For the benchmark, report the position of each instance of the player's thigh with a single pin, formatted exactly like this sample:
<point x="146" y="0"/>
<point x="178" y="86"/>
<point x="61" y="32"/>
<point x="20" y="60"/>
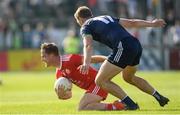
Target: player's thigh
<point x="129" y="72"/>
<point x="107" y="71"/>
<point x="89" y="98"/>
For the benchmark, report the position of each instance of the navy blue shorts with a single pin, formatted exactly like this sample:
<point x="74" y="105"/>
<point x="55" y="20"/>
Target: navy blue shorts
<point x="128" y="52"/>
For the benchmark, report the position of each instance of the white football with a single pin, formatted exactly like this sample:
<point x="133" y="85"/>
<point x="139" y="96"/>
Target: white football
<point x="63" y="81"/>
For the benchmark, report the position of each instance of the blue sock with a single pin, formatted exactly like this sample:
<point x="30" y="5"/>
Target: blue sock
<point x="128" y="101"/>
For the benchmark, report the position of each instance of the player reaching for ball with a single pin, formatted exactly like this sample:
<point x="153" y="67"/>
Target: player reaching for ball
<point x="67" y="66"/>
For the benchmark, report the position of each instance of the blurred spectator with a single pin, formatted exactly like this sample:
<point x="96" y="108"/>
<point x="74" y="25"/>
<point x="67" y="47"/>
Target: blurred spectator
<point x="52" y="33"/>
<point x="27" y="36"/>
<point x="8" y="38"/>
<point x="176" y="33"/>
<point x="39" y="35"/>
<point x="6" y="34"/>
<point x="122" y="10"/>
<point x="2" y="30"/>
<point x="150" y="31"/>
<point x="132" y="8"/>
<point x="17" y="40"/>
<point x="71" y="43"/>
<point x="27" y="13"/>
<point x="170" y="17"/>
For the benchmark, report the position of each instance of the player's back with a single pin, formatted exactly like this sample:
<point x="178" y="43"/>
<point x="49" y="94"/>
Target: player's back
<point x="105" y="29"/>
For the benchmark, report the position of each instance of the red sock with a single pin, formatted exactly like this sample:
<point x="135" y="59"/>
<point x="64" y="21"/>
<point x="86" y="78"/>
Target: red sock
<point x="109" y="106"/>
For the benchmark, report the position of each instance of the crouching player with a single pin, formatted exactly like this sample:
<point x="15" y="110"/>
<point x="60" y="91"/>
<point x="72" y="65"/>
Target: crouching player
<point x="67" y="66"/>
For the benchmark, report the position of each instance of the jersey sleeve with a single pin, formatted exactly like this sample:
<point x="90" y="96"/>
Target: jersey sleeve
<point x="85" y="30"/>
<point x="58" y="73"/>
<point x="116" y="19"/>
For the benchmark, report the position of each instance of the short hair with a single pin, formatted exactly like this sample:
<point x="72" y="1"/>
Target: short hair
<point x="50" y="48"/>
<point x="83" y="12"/>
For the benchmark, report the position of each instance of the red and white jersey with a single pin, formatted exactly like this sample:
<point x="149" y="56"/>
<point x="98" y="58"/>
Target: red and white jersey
<point x="69" y="69"/>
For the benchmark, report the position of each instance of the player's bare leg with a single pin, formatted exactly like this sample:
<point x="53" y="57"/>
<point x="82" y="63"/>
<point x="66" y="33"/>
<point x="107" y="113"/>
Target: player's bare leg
<point x="103" y="79"/>
<point x="130" y="77"/>
<point x="92" y="102"/>
<point x="89" y="98"/>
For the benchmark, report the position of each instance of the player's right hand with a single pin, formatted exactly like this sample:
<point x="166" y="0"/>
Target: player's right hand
<point x="84" y="69"/>
<point x="159" y="23"/>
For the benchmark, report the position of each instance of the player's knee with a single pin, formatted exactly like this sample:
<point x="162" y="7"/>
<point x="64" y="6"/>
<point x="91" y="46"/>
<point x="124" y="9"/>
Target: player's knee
<point x="99" y="82"/>
<point x="87" y="107"/>
<point x="81" y="108"/>
<point x="91" y="106"/>
<point x="127" y="78"/>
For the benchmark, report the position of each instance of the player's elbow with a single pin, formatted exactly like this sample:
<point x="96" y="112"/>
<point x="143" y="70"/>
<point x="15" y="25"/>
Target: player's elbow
<point x="128" y="23"/>
<point x="89" y="47"/>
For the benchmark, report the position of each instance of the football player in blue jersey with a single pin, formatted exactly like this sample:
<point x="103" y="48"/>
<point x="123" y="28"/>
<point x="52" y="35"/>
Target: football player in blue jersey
<point x="125" y="56"/>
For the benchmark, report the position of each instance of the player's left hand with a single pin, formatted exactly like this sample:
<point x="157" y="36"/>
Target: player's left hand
<point x="158" y="23"/>
<point x="84" y="69"/>
<point x="62" y="93"/>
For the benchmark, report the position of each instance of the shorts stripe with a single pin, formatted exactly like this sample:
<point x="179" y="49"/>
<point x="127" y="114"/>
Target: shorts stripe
<point x="119" y="53"/>
<point x="96" y="89"/>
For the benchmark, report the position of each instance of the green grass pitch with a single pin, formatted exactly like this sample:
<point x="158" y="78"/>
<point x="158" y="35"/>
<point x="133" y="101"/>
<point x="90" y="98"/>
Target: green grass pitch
<point x="33" y="93"/>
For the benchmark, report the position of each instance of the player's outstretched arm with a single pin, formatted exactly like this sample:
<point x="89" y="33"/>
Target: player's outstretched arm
<point x="137" y="23"/>
<point x="98" y="58"/>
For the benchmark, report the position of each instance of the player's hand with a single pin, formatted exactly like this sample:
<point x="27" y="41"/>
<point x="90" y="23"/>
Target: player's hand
<point x="158" y="23"/>
<point x="60" y="91"/>
<point x="84" y="69"/>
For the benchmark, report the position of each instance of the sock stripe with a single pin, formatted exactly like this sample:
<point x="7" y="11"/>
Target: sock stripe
<point x="154" y="92"/>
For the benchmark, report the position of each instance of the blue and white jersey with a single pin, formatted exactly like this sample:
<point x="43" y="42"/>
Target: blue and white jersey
<point x="105" y="29"/>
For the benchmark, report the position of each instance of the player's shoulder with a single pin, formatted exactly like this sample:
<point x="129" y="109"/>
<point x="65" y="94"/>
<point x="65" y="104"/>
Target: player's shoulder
<point x="88" y="22"/>
<point x="95" y="19"/>
<point x="76" y="56"/>
<point x="106" y="19"/>
<point x="69" y="57"/>
<point x="58" y="73"/>
<point x="66" y="57"/>
<point x="102" y="16"/>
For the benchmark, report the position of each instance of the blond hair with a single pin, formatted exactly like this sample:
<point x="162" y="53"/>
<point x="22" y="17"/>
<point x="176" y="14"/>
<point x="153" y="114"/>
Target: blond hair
<point x="83" y="12"/>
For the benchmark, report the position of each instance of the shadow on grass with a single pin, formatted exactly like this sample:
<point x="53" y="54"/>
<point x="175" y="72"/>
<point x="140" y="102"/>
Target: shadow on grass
<point x="159" y="109"/>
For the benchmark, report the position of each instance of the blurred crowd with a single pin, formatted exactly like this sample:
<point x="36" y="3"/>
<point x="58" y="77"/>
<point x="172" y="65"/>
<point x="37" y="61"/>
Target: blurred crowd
<point x="25" y="24"/>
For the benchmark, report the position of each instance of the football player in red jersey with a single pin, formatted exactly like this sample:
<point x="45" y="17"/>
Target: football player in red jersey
<point x="67" y="66"/>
